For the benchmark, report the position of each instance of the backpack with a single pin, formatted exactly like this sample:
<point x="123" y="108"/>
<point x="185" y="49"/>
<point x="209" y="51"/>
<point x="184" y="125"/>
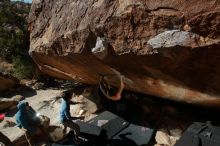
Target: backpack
<point x="200" y="134"/>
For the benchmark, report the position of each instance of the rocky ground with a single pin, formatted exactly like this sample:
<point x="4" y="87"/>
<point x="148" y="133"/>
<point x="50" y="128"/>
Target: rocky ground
<point x="38" y="100"/>
<point x="46" y="102"/>
<point x="168" y="118"/>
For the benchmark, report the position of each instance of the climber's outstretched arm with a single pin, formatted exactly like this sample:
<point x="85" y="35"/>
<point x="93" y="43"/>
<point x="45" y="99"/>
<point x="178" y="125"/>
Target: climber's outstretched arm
<point x="117" y="96"/>
<point x="103" y="88"/>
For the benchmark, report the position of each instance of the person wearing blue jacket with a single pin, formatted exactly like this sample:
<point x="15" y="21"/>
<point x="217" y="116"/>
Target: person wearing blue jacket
<point x="27" y="119"/>
<point x="65" y="116"/>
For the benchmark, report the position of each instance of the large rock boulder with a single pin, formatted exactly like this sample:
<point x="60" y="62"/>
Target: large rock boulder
<point x="7" y="82"/>
<point x="7" y="103"/>
<point x="168" y="49"/>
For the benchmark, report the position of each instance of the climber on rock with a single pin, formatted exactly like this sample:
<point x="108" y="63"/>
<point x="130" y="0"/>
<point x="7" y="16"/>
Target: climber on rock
<point x="110" y="92"/>
<point x="65" y="116"/>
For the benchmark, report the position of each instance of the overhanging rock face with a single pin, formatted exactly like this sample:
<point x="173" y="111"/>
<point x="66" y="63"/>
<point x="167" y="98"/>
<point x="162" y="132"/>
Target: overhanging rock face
<point x="169" y="49"/>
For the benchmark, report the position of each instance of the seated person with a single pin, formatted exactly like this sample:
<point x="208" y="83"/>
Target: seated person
<point x="109" y="91"/>
<point x="26" y="118"/>
<point x="65" y="116"/>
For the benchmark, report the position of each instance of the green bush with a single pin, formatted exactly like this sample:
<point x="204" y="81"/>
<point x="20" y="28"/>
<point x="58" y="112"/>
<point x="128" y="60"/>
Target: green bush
<point x="14" y="35"/>
<point x="23" y="67"/>
<point x="14" y="38"/>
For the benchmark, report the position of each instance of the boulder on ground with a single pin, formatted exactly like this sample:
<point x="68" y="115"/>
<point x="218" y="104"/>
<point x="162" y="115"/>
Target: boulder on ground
<point x="7" y="103"/>
<point x="162" y="137"/>
<point x="7" y="82"/>
<point x="168" y="49"/>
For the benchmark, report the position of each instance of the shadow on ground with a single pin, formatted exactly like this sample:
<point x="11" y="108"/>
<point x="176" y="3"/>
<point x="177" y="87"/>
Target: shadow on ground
<point x="24" y="91"/>
<point x="100" y="140"/>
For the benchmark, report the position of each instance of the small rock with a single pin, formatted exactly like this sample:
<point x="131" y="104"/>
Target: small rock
<point x="38" y="86"/>
<point x="100" y="50"/>
<point x="58" y="132"/>
<point x="176" y="133"/>
<point x="6" y="103"/>
<point x="81" y="112"/>
<point x="187" y="28"/>
<point x="18" y="98"/>
<point x="89" y="103"/>
<point x="202" y="39"/>
<point x="173" y="140"/>
<point x="28" y="83"/>
<point x="162" y="137"/>
<point x="207" y="39"/>
<point x="32" y="84"/>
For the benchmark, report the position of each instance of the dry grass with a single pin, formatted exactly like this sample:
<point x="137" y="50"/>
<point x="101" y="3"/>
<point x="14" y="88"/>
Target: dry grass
<point x="5" y="66"/>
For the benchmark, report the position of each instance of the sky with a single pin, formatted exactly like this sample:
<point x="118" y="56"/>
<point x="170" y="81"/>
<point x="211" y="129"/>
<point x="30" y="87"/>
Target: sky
<point x="28" y="1"/>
